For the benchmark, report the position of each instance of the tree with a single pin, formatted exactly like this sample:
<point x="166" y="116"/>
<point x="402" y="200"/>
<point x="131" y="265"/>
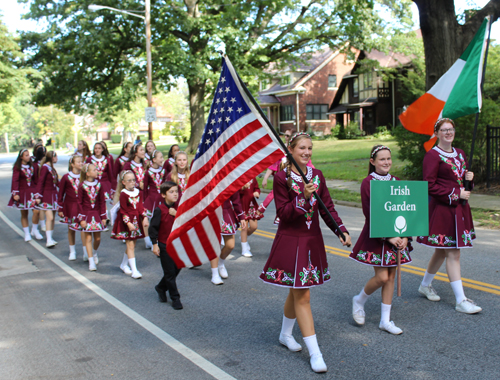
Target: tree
<point x="445" y="38"/>
<point x="98" y="61"/>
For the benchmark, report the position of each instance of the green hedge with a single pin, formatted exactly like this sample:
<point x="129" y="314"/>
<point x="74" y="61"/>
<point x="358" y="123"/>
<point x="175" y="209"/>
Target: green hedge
<point x="116" y="139"/>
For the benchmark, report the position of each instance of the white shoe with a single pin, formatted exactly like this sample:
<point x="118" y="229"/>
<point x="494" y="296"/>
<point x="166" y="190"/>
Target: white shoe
<point x="96" y="259"/>
<point x="92" y="266"/>
<point x="217" y="280"/>
<point x="50" y="244"/>
<point x="136" y="275"/>
<point x="391" y="328"/>
<point x="245" y="250"/>
<point x="27" y="237"/>
<point x="429" y="292"/>
<point x="317" y="363"/>
<point x="72" y="256"/>
<point x="290" y="342"/>
<point x="223" y="271"/>
<point x="358" y="313"/>
<point x="85" y="256"/>
<point x="468" y="306"/>
<point x="37" y="235"/>
<point x="126" y="269"/>
<point x="148" y="245"/>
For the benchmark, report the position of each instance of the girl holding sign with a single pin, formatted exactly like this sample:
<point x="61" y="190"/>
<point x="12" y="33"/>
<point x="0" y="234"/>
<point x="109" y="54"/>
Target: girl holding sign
<point x="298" y="257"/>
<point x="381" y="253"/>
<point x="450" y="219"/>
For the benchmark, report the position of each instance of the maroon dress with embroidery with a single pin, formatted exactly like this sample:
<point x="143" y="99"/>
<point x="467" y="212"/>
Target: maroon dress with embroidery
<point x="376" y="252"/>
<point x="168" y="165"/>
<point x="152" y="182"/>
<point x="68" y="200"/>
<point x="181" y="182"/>
<point x="139" y="171"/>
<point x="91" y="206"/>
<point x="131" y="211"/>
<point x="47" y="188"/>
<point x="298" y="257"/>
<point x="232" y="214"/>
<point x="24" y="185"/>
<point x="105" y="175"/>
<point x="450" y="222"/>
<point x="118" y="166"/>
<point x="248" y="201"/>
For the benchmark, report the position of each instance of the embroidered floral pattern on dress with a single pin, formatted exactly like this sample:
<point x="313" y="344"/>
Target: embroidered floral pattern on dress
<point x="326" y="274"/>
<point x="157" y="177"/>
<point x="182" y="183"/>
<point x="309" y="275"/>
<point x="137" y="232"/>
<point x="92" y="192"/>
<point x="369" y="257"/>
<point x="228" y="228"/>
<point x="441" y="240"/>
<point x="48" y="206"/>
<point x="133" y="201"/>
<point x="75" y="182"/>
<point x="298" y="178"/>
<point x="93" y="226"/>
<point x="139" y="173"/>
<point x="126" y="219"/>
<point x="28" y="173"/>
<point x="279" y="276"/>
<point x="100" y="165"/>
<point x="391" y="256"/>
<point x="301" y="202"/>
<point x="467" y="237"/>
<point x="379" y="177"/>
<point x="453" y="196"/>
<point x="457" y="164"/>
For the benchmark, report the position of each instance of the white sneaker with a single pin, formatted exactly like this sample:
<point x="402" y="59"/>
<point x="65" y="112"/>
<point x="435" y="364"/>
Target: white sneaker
<point x="37" y="235"/>
<point x="72" y="256"/>
<point x="27" y="237"/>
<point x="50" y="243"/>
<point x="358" y="313"/>
<point x="468" y="306"/>
<point x="290" y="342"/>
<point x="223" y="271"/>
<point x="317" y="363"/>
<point x="245" y="250"/>
<point x="217" y="280"/>
<point x="429" y="292"/>
<point x="126" y="269"/>
<point x="136" y="275"/>
<point x="148" y="245"/>
<point x="92" y="266"/>
<point x="96" y="259"/>
<point x="391" y="328"/>
<point x="85" y="256"/>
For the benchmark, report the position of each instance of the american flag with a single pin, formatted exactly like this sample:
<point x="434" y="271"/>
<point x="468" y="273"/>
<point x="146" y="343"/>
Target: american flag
<point x="237" y="144"/>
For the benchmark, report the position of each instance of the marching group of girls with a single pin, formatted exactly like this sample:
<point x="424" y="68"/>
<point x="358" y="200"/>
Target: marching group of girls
<point x="297" y="259"/>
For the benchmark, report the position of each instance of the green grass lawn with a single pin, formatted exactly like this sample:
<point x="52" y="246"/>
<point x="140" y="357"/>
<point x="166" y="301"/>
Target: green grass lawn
<point x="116" y="148"/>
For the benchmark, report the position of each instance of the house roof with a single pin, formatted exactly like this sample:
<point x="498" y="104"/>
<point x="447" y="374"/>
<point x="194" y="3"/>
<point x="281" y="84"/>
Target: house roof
<point x="267" y="99"/>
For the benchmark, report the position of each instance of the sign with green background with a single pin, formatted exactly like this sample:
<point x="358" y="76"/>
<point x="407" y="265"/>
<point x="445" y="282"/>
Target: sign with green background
<point x="399" y="208"/>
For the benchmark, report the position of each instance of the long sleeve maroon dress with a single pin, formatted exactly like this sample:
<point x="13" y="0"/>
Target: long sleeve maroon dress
<point x="23" y="184"/>
<point x="131" y="211"/>
<point x="68" y="200"/>
<point x="92" y="206"/>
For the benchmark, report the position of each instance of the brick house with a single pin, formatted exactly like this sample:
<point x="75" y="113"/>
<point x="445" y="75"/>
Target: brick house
<point x="367" y="99"/>
<point x="300" y="95"/>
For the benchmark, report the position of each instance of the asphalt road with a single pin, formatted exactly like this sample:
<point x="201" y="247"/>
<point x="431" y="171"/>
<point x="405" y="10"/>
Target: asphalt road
<point x="62" y="321"/>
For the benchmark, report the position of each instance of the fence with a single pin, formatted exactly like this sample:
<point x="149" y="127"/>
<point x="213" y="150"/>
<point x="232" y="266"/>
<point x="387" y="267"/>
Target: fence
<point x="492" y="154"/>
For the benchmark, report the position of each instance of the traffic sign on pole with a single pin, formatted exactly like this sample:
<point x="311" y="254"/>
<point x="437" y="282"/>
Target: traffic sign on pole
<point x="150" y="114"/>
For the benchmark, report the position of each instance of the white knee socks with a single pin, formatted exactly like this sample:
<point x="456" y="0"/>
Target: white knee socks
<point x="287" y="325"/>
<point x="458" y="290"/>
<point x="124" y="260"/>
<point x="49" y="235"/>
<point x="428" y="277"/>
<point x="361" y="298"/>
<point x="312" y="345"/>
<point x="385" y="315"/>
<point x="131" y="263"/>
<point x="34" y="227"/>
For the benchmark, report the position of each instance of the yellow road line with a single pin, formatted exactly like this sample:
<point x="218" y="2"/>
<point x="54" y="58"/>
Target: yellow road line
<point x="483" y="286"/>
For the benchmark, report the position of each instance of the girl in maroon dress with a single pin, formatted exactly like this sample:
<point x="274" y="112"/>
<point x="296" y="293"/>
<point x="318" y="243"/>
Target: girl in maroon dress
<point x="150" y="147"/>
<point x="232" y="216"/>
<point x="46" y="193"/>
<point x="122" y="159"/>
<point x="23" y="188"/>
<point x="39" y="152"/>
<point x="155" y="176"/>
<point x="83" y="150"/>
<point x="450" y="218"/>
<point x="377" y="252"/>
<point x="138" y="166"/>
<point x="128" y="225"/>
<point x="68" y="201"/>
<point x="169" y="162"/>
<point x="248" y="195"/>
<point x="104" y="167"/>
<point x="111" y="160"/>
<point x="92" y="212"/>
<point x="298" y="258"/>
<point x="180" y="171"/>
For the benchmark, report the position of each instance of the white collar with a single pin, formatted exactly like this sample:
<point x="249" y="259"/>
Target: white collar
<point x="181" y="175"/>
<point x="156" y="170"/>
<point x="98" y="159"/>
<point x="298" y="178"/>
<point x="73" y="175"/>
<point x="48" y="166"/>
<point x="171" y="160"/>
<point x="124" y="158"/>
<point x="147" y="156"/>
<point x="444" y="153"/>
<point x="132" y="193"/>
<point x="88" y="183"/>
<point x="77" y="153"/>
<point x="386" y="177"/>
<point x="25" y="166"/>
<point x="136" y="164"/>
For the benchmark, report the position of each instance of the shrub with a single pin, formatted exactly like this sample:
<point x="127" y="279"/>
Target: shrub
<point x="116" y="139"/>
<point x="156" y="135"/>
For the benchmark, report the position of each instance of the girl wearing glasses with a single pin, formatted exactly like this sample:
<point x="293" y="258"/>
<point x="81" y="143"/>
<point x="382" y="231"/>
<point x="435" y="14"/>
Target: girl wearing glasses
<point x="450" y="219"/>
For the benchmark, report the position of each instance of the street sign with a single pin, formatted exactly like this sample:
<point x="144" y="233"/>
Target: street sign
<point x="399" y="208"/>
<point x="150" y="114"/>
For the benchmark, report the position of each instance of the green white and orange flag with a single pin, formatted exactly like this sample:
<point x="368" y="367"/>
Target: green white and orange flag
<point x="457" y="93"/>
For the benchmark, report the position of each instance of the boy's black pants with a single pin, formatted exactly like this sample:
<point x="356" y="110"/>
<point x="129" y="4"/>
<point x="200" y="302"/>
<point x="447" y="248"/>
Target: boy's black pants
<point x="170" y="273"/>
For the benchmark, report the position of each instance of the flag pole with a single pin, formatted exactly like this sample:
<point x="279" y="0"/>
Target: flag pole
<point x="290" y="157"/>
<point x="474" y="134"/>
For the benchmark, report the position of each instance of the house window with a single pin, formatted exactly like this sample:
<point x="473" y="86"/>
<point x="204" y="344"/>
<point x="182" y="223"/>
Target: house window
<point x="368" y="80"/>
<point x="285" y="80"/>
<point x="287" y="113"/>
<point x="317" y="111"/>
<point x="332" y="81"/>
<point x="263" y="84"/>
<point x="355" y="88"/>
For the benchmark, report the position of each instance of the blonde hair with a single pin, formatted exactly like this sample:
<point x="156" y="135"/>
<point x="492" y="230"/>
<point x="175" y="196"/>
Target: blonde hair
<point x="174" y="174"/>
<point x="72" y="161"/>
<point x="120" y="186"/>
<point x="83" y="173"/>
<point x="153" y="156"/>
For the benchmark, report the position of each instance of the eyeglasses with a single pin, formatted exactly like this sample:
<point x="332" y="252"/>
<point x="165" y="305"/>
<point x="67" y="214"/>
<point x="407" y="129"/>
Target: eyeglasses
<point x="448" y="130"/>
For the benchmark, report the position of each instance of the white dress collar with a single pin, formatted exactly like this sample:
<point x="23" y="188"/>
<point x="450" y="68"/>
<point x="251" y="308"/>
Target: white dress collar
<point x="136" y="164"/>
<point x="132" y="193"/>
<point x="124" y="158"/>
<point x="148" y="157"/>
<point x="444" y="153"/>
<point x="156" y="170"/>
<point x="25" y="166"/>
<point x="98" y="159"/>
<point x="88" y="183"/>
<point x="171" y="160"/>
<point x="386" y="177"/>
<point x="181" y="175"/>
<point x="298" y="178"/>
<point x="73" y="175"/>
<point x="48" y="166"/>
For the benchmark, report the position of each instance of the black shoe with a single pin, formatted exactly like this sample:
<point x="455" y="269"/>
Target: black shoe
<point x="162" y="295"/>
<point x="177" y="305"/>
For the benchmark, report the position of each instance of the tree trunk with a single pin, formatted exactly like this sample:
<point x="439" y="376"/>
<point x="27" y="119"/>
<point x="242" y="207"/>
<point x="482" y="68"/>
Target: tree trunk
<point x="444" y="38"/>
<point x="196" y="96"/>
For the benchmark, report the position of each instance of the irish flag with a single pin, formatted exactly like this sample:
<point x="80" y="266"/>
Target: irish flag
<point x="457" y="93"/>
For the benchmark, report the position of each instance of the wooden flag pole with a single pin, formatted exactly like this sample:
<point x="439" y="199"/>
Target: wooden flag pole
<point x="399" y="273"/>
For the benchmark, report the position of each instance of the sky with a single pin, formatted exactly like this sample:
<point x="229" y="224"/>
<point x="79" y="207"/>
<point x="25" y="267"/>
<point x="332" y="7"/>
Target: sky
<point x="11" y="13"/>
